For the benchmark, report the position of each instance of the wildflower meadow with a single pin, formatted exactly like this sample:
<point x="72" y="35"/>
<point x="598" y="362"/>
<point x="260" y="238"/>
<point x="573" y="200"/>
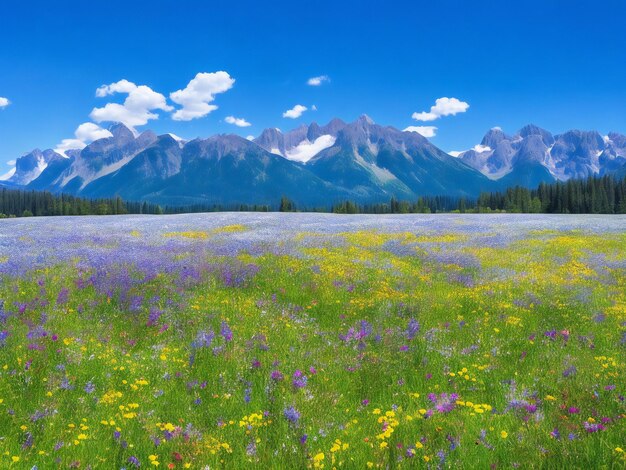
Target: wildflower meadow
<point x="313" y="341"/>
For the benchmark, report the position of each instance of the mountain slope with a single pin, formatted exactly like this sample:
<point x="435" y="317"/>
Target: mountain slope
<point x="102" y="157"/>
<point x="379" y="162"/>
<point x="315" y="165"/>
<point x="142" y="174"/>
<point x="28" y="167"/>
<point x="573" y="154"/>
<point x="229" y="169"/>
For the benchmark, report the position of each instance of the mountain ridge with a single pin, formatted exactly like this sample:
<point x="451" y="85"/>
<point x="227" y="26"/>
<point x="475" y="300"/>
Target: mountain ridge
<point x="315" y="164"/>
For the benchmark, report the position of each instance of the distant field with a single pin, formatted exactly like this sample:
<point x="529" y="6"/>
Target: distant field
<point x="313" y="341"/>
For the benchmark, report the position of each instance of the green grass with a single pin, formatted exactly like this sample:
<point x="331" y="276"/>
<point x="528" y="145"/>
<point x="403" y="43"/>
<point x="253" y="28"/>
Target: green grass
<point x="502" y="343"/>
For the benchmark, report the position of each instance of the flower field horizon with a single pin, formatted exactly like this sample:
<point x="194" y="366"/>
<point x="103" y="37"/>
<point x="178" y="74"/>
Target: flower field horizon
<point x="252" y="340"/>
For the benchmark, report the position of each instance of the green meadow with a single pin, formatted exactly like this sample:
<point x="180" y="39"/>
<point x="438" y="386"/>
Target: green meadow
<point x="181" y="342"/>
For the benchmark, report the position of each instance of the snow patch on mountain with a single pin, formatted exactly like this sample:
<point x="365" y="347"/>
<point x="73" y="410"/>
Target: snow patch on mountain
<point x="8" y="175"/>
<point x="481" y="148"/>
<point x="306" y="149"/>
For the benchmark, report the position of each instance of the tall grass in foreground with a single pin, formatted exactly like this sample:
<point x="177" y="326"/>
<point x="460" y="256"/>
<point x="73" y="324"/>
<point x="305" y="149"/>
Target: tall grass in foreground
<point x="353" y="349"/>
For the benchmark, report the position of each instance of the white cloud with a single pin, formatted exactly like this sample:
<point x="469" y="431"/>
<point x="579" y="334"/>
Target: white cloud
<point x="136" y="110"/>
<point x="4" y="102"/>
<point x="317" y="81"/>
<point x="239" y="122"/>
<point x="306" y="150"/>
<point x="313" y="108"/>
<point x="250" y="137"/>
<point x="426" y="131"/>
<point x="200" y="91"/>
<point x="86" y="133"/>
<point x="295" y="112"/>
<point x="454" y="153"/>
<point x="481" y="148"/>
<point x="443" y="107"/>
<point x="11" y="163"/>
<point x="69" y="144"/>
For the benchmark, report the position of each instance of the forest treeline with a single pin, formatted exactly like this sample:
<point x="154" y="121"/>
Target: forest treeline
<point x="594" y="195"/>
<point x="20" y="203"/>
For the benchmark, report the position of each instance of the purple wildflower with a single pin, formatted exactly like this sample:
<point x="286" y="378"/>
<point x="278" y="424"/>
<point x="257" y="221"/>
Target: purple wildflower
<point x="443" y="403"/>
<point x="550" y="334"/>
<point x="299" y="379"/>
<point x="226" y="332"/>
<point x="571" y="370"/>
<point x="292" y="415"/>
<point x="593" y="427"/>
<point x="203" y="339"/>
<point x="412" y="329"/>
<point x="63" y="296"/>
<point x="277" y="376"/>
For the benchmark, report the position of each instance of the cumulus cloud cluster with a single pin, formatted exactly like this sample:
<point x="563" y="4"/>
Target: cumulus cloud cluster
<point x="295" y="112"/>
<point x="137" y="107"/>
<point x="142" y="103"/>
<point x="84" y="134"/>
<point x="196" y="97"/>
<point x="4" y="102"/>
<point x="442" y="107"/>
<point x="239" y="122"/>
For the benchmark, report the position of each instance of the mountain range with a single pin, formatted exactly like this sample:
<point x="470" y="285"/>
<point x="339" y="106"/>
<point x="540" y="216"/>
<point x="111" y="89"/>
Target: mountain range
<point x="314" y="165"/>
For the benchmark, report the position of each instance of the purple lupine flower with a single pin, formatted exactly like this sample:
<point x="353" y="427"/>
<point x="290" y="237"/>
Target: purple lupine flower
<point x="292" y="415"/>
<point x="593" y="427"/>
<point x="226" y="332"/>
<point x="444" y="403"/>
<point x="251" y="449"/>
<point x="3" y="337"/>
<point x="531" y="408"/>
<point x="277" y="376"/>
<point x="63" y="296"/>
<point x="37" y="332"/>
<point x="299" y="379"/>
<point x="154" y="316"/>
<point x="90" y="387"/>
<point x="571" y="370"/>
<point x="28" y="441"/>
<point x="365" y="329"/>
<point x="65" y="384"/>
<point x="203" y="339"/>
<point x="134" y="461"/>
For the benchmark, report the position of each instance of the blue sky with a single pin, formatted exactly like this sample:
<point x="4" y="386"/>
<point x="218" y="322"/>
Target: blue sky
<point x="559" y="64"/>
